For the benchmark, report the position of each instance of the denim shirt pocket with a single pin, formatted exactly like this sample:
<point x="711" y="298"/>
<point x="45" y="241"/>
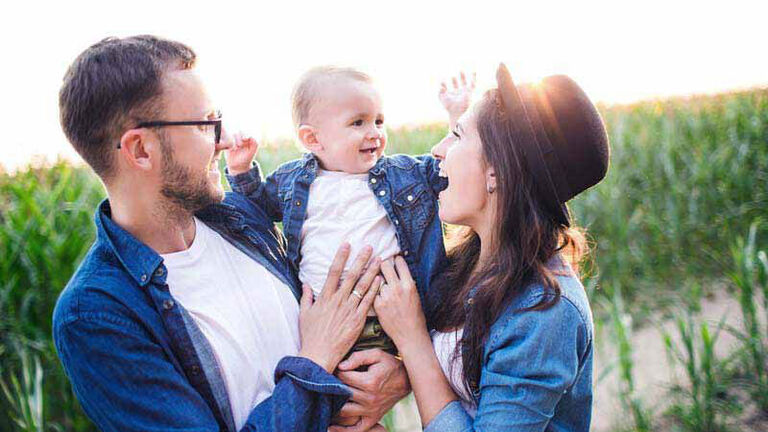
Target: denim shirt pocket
<point x="415" y="209"/>
<point x="283" y="195"/>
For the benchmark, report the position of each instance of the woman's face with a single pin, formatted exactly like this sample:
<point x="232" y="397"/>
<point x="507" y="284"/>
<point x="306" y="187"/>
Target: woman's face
<point x="465" y="200"/>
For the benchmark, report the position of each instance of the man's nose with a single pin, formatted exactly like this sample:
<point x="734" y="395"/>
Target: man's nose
<point x="226" y="141"/>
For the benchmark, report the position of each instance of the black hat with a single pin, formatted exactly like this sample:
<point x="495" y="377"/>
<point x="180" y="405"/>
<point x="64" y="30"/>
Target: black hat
<point x="561" y="135"/>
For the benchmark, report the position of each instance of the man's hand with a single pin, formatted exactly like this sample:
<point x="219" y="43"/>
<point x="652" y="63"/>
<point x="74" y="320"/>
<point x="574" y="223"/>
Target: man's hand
<point x="457" y="98"/>
<point x="375" y="391"/>
<point x="239" y="157"/>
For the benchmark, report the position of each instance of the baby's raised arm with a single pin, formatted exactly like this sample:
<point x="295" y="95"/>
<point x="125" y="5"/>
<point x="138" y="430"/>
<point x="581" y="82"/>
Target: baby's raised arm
<point x="457" y="98"/>
<point x="240" y="156"/>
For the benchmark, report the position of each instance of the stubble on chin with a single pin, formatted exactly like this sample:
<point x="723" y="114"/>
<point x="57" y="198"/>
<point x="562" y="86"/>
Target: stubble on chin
<point x="187" y="191"/>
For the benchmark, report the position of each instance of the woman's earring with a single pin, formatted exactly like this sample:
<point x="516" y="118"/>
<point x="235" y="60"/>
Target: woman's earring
<point x="490" y="189"/>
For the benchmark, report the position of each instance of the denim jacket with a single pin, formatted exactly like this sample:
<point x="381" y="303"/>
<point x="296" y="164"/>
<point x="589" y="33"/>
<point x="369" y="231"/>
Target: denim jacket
<point x="537" y="367"/>
<point x="138" y="362"/>
<point x="406" y="187"/>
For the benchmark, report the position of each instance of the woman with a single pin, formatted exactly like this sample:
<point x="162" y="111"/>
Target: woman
<point x="511" y="347"/>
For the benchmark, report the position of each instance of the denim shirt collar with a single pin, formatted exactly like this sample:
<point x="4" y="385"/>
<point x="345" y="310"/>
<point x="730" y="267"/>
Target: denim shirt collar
<point x="311" y="164"/>
<point x="138" y="259"/>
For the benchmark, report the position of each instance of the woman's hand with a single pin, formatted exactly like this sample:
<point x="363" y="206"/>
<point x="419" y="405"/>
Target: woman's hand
<point x="398" y="305"/>
<point x="241" y="154"/>
<point x="399" y="310"/>
<point x="457" y="98"/>
<point x="330" y="325"/>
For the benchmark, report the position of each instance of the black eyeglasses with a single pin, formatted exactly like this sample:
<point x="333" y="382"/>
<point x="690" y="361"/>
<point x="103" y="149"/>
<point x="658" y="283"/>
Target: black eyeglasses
<point x="216" y="123"/>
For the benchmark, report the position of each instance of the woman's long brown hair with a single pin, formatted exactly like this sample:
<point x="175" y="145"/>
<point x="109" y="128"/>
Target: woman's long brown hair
<point x="527" y="237"/>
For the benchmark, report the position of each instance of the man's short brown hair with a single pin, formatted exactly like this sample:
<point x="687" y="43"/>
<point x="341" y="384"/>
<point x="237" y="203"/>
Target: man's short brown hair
<point x="112" y="86"/>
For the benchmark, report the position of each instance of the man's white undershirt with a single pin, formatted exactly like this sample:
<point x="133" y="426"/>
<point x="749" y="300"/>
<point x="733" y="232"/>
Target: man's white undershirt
<point x="250" y="317"/>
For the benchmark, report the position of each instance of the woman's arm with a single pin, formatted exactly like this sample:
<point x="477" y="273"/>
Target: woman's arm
<point x="400" y="314"/>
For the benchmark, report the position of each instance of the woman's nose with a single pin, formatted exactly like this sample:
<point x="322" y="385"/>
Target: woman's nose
<point x="439" y="149"/>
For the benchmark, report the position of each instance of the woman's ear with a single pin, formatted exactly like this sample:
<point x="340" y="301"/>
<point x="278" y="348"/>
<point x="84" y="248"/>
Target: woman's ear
<point x="490" y="180"/>
<point x="308" y="137"/>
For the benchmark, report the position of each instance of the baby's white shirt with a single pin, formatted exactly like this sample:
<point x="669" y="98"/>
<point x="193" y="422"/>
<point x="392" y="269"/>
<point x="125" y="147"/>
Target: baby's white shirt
<point x="342" y="208"/>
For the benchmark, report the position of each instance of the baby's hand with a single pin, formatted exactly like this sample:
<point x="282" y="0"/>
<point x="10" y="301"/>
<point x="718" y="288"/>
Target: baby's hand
<point x="241" y="154"/>
<point x="457" y="99"/>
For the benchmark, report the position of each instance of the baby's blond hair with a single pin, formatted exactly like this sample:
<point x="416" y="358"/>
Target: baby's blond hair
<point x="305" y="94"/>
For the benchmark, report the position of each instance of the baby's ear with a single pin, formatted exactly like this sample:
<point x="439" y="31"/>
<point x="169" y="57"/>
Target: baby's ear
<point x="308" y="138"/>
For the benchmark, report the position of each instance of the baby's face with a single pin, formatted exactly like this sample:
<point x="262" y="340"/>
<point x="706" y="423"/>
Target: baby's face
<point x="349" y="126"/>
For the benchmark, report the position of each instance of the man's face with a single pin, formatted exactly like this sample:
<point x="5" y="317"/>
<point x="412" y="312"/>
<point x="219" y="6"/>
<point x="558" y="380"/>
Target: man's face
<point x="190" y="173"/>
<point x="349" y="126"/>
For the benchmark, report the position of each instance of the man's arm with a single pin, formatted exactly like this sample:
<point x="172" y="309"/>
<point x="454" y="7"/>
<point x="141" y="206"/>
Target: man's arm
<point x="126" y="382"/>
<point x="375" y="390"/>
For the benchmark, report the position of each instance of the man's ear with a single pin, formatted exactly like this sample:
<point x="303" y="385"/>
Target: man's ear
<point x="139" y="150"/>
<point x="308" y="137"/>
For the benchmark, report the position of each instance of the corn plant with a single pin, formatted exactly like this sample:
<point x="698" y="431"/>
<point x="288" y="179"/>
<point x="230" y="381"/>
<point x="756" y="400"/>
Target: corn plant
<point x="26" y="397"/>
<point x="749" y="272"/>
<point x="621" y="327"/>
<point x="45" y="228"/>
<point x="700" y="404"/>
<point x="686" y="176"/>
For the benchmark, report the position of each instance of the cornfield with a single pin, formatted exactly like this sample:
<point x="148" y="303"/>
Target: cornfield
<point x="682" y="212"/>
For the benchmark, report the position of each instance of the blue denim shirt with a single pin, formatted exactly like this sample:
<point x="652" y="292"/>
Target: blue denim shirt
<point x="406" y="187"/>
<point x="537" y="367"/>
<point x="138" y="362"/>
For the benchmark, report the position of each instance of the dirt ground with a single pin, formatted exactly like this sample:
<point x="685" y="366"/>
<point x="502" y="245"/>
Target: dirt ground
<point x="653" y="373"/>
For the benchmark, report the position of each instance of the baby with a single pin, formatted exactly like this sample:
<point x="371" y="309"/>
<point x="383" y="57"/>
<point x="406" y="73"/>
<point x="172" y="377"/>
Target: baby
<point x="345" y="189"/>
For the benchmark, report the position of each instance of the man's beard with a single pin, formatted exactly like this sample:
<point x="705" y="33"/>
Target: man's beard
<point x="185" y="189"/>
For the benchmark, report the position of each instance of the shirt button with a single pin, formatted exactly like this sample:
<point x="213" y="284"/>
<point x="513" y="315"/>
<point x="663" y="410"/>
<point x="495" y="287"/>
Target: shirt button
<point x="470" y="301"/>
<point x="382" y="192"/>
<point x="168" y="304"/>
<point x="143" y="278"/>
<point x="159" y="272"/>
<point x="409" y="198"/>
<point x="397" y="222"/>
<point x="373" y="180"/>
<point x="298" y="203"/>
<point x="405" y="253"/>
<point x="195" y="370"/>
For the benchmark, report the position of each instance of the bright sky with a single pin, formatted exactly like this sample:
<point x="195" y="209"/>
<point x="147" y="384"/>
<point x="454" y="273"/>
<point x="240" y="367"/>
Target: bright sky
<point x="251" y="53"/>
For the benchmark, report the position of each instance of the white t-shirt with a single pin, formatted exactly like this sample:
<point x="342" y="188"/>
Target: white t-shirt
<point x="250" y="317"/>
<point x="451" y="363"/>
<point x="342" y="208"/>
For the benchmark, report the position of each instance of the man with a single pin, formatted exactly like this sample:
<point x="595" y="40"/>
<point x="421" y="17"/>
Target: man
<point x="184" y="313"/>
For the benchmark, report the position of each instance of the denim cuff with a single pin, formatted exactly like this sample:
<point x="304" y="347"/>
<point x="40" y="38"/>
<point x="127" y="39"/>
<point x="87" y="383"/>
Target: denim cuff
<point x="452" y="418"/>
<point x="309" y="375"/>
<point x="247" y="182"/>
